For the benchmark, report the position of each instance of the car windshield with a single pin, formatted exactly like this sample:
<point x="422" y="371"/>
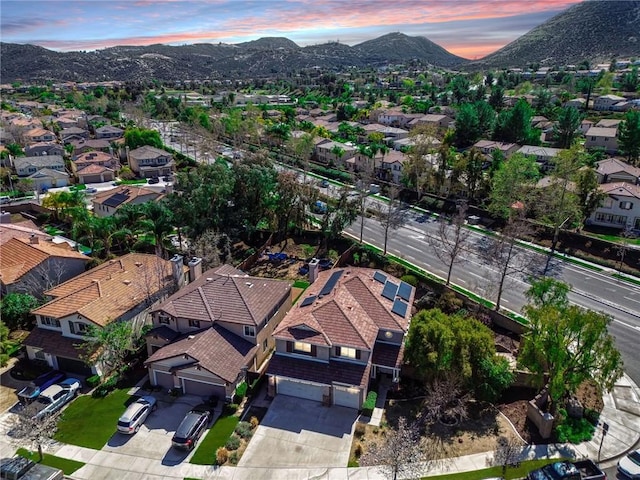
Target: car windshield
<point x="29" y="391"/>
<point x="187" y="424"/>
<point x="635" y="457"/>
<point x="123" y="424"/>
<point x="44" y="400"/>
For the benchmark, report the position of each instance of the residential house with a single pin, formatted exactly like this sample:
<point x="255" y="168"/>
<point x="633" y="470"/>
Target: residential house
<point x="391" y="165"/>
<point x="405" y="143"/>
<point x="67" y="122"/>
<point x="585" y="125"/>
<point x="26" y="166"/>
<point x="106" y="203"/>
<point x="487" y="147"/>
<point x="608" y="123"/>
<point x="109" y="132"/>
<point x="72" y="134"/>
<point x="578" y="103"/>
<point x="614" y="170"/>
<point x="212" y="333"/>
<point x="95" y="166"/>
<point x="336" y="153"/>
<point x="606" y="102"/>
<point x="395" y="117"/>
<point x="543" y="155"/>
<point x="39" y="135"/>
<point x="6" y="137"/>
<point x="347" y="329"/>
<point x="148" y="161"/>
<point x="122" y="289"/>
<point x="83" y="146"/>
<point x="43" y="148"/>
<point x="47" y="178"/>
<point x="433" y="119"/>
<point x="31" y="264"/>
<point x="604" y="138"/>
<point x="25" y="229"/>
<point x="621" y="207"/>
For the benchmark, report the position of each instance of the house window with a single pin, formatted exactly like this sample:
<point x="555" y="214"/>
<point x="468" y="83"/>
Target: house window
<point x="249" y="331"/>
<point x="301" y="347"/>
<point x="163" y="319"/>
<point x="194" y="323"/>
<point x="607" y="203"/>
<point x="78" y="328"/>
<point x="347" y="352"/>
<point x="49" y="321"/>
<point x="39" y="355"/>
<point x="608" y="218"/>
<point x="626" y="205"/>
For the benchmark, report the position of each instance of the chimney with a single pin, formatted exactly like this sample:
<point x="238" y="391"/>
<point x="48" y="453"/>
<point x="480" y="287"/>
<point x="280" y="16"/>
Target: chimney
<point x="195" y="268"/>
<point x="5" y="217"/>
<point x="176" y="268"/>
<point x="314" y="266"/>
<point x="33" y="239"/>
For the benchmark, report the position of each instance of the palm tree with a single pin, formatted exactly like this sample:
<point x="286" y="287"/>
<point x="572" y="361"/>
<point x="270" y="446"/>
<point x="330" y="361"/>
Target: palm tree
<point x="157" y="219"/>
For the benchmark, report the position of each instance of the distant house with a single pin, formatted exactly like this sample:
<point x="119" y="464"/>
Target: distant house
<point x="95" y="166"/>
<point x="39" y="135"/>
<point x="604" y="138"/>
<point x="334" y="152"/>
<point x="349" y="327"/>
<point x="83" y="146"/>
<point x="109" y="132"/>
<point x="108" y="202"/>
<point x="26" y="166"/>
<point x="44" y="148"/>
<point x="585" y="125"/>
<point x="33" y="265"/>
<point x="487" y="147"/>
<point x="122" y="289"/>
<point x="212" y="334"/>
<point x="391" y="166"/>
<point x="148" y="161"/>
<point x="73" y="134"/>
<point x="606" y="102"/>
<point x="47" y="178"/>
<point x="543" y="155"/>
<point x="608" y="123"/>
<point x="621" y="207"/>
<point x="395" y="117"/>
<point x="433" y="119"/>
<point x="614" y="170"/>
<point x="578" y="103"/>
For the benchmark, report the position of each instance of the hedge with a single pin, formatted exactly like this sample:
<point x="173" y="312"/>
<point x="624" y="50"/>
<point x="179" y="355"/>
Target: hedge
<point x="369" y="404"/>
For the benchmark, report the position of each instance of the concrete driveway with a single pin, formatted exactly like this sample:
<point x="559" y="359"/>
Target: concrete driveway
<point x="301" y="433"/>
<point x="153" y="441"/>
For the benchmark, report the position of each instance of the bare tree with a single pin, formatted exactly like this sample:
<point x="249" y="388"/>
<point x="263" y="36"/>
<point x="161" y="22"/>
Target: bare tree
<point x="507" y="453"/>
<point x="43" y="277"/>
<point x="392" y="214"/>
<point x="445" y="400"/>
<point x="365" y="176"/>
<point x="212" y="247"/>
<point x="400" y="453"/>
<point x="26" y="429"/>
<point x="451" y="240"/>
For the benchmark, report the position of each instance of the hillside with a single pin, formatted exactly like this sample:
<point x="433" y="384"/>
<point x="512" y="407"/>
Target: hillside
<point x="593" y="30"/>
<point x="258" y="58"/>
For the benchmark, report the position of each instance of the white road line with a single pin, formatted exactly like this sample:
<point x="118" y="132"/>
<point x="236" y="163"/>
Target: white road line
<point x="632" y="299"/>
<point x="414" y="248"/>
<point x="628" y="325"/>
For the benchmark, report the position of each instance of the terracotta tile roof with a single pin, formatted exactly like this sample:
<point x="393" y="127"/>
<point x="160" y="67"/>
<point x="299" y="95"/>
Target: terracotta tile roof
<point x="21" y="230"/>
<point x="227" y="294"/>
<point x="388" y="355"/>
<point x="106" y="292"/>
<point x="96" y="156"/>
<point x="320" y="372"/>
<point x="130" y="191"/>
<point x="215" y="349"/>
<point x="351" y="315"/>
<point x="93" y="169"/>
<point x="148" y="152"/>
<point x="622" y="189"/>
<point x="18" y="256"/>
<point x="53" y="343"/>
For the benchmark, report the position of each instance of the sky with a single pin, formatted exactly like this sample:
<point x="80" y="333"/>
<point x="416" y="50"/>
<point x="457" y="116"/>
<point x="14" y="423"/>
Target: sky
<point x="468" y="28"/>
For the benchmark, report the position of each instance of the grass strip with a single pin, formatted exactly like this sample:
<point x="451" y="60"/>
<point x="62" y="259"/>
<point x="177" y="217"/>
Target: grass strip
<point x="624" y="278"/>
<point x="216" y="438"/>
<point x="66" y="465"/>
<point x="473" y="296"/>
<point x="520" y="471"/>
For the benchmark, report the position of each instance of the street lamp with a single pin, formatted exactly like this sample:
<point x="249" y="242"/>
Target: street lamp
<point x="605" y="429"/>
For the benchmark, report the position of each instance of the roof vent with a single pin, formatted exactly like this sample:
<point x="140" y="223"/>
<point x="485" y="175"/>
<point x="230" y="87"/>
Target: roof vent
<point x="138" y="264"/>
<point x="209" y="279"/>
<point x="126" y="282"/>
<point x="191" y="337"/>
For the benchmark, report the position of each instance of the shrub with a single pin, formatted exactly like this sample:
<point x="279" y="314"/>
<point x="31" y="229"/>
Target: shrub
<point x="410" y="279"/>
<point x="106" y="387"/>
<point x="360" y="430"/>
<point x="241" y="390"/>
<point x="254" y="422"/>
<point x="574" y="430"/>
<point x="358" y="451"/>
<point x="93" y="380"/>
<point x="369" y="404"/>
<point x="233" y="458"/>
<point x="233" y="443"/>
<point x="222" y="455"/>
<point x="244" y="430"/>
<point x="230" y="409"/>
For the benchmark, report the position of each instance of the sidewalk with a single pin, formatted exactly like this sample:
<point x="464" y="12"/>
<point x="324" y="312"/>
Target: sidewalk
<point x="621" y="412"/>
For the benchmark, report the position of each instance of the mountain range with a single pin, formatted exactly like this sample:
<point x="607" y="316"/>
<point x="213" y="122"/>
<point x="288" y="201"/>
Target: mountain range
<point x="594" y="30"/>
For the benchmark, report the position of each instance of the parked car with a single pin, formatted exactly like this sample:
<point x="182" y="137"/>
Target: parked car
<point x="31" y="391"/>
<point x="89" y="190"/>
<point x="580" y="470"/>
<point x="153" y="180"/>
<point x="56" y="396"/>
<point x="324" y="183"/>
<point x="629" y="465"/>
<point x="136" y="414"/>
<point x="190" y="429"/>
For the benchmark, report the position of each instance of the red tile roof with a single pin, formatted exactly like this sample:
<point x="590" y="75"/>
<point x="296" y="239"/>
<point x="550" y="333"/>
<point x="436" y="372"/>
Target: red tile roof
<point x="388" y="355"/>
<point x="54" y="343"/>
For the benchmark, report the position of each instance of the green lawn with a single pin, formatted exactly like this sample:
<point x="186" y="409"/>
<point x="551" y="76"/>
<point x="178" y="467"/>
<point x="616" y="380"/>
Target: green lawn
<point x="511" y="474"/>
<point x="615" y="238"/>
<point x="64" y="464"/>
<point x="216" y="438"/>
<point x="89" y="422"/>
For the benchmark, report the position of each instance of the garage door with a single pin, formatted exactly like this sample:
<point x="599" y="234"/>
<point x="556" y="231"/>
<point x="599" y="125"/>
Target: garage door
<point x="346" y="397"/>
<point x="294" y="388"/>
<point x="70" y="365"/>
<point x="191" y="387"/>
<point x="163" y="379"/>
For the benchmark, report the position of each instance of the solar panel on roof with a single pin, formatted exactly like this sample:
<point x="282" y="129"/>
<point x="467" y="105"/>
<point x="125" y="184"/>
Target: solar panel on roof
<point x="404" y="290"/>
<point x="380" y="277"/>
<point x="308" y="301"/>
<point x="331" y="283"/>
<point x="115" y="200"/>
<point x="389" y="290"/>
<point x="399" y="307"/>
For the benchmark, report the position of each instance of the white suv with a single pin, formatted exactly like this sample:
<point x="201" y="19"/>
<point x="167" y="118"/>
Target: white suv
<point x="135" y="414"/>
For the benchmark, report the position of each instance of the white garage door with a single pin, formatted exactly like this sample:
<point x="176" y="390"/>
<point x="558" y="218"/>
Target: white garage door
<point x="346" y="397"/>
<point x="294" y="388"/>
<point x="163" y="379"/>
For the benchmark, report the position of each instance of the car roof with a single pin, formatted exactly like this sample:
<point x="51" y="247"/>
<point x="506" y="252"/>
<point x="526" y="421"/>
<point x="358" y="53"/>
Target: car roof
<point x="51" y="391"/>
<point x="188" y="422"/>
<point x="131" y="411"/>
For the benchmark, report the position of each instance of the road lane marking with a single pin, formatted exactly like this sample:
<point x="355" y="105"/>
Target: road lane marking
<point x="628" y="325"/>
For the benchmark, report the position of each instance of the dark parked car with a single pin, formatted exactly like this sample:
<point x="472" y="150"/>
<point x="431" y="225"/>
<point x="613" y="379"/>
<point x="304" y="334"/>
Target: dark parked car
<point x="153" y="180"/>
<point x="40" y="384"/>
<point x="190" y="429"/>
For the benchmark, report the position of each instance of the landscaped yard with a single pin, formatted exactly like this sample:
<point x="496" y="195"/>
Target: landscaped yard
<point x="494" y="472"/>
<point x="76" y="428"/>
<point x="64" y="464"/>
<point x="216" y="438"/>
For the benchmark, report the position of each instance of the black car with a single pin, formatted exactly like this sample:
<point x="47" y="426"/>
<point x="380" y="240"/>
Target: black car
<point x="193" y="424"/>
<point x="153" y="180"/>
<point x="40" y="384"/>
